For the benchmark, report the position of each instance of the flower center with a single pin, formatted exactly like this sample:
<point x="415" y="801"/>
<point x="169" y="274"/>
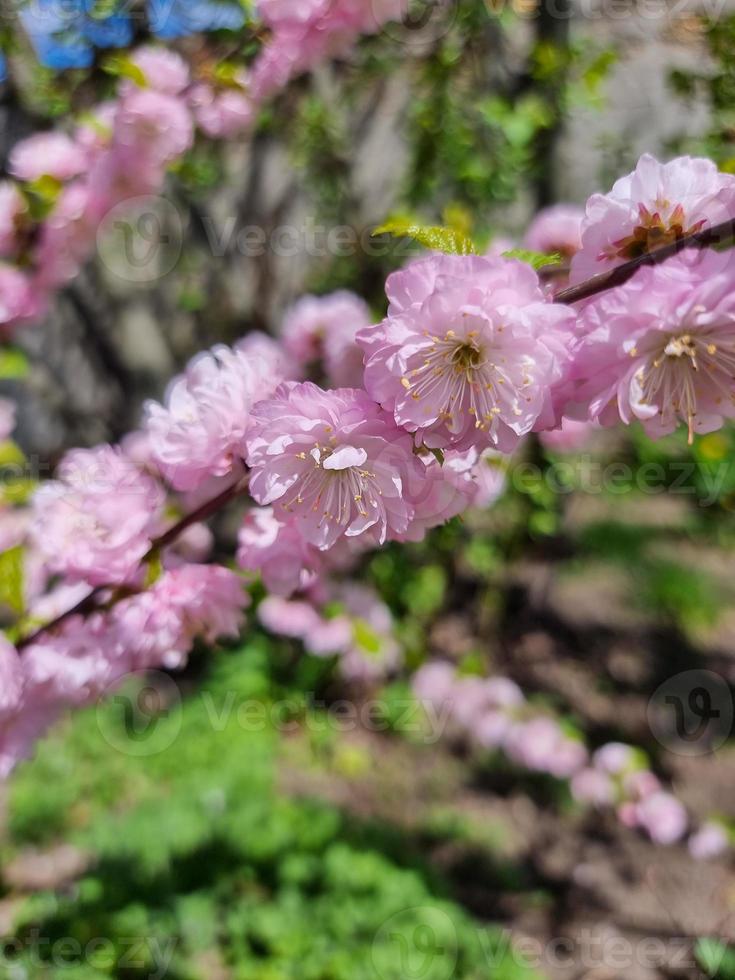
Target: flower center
<point x="337" y="483"/>
<point x="688" y="367"/>
<point x="653" y="231"/>
<point x="460" y="376"/>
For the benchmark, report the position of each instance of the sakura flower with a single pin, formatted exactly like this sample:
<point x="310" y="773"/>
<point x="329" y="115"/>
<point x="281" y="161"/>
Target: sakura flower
<point x="656" y="204"/>
<point x="199" y="432"/>
<point x="76" y="664"/>
<point x="663" y="817"/>
<point x="661" y="349"/>
<point x="49" y="154"/>
<point x="371" y="649"/>
<point x="556" y="229"/>
<point x="592" y="786"/>
<point x="571" y="436"/>
<point x="540" y="744"/>
<point x="469" y="352"/>
<point x="288" y="617"/>
<point x="332" y="462"/>
<point x="614" y="758"/>
<point x="277" y="550"/>
<point x="272" y="360"/>
<point x="96" y="521"/>
<point x="438" y="494"/>
<point x="324" y="328"/>
<point x="153" y="126"/>
<point x="710" y="841"/>
<point x="223" y="113"/>
<point x="163" y="70"/>
<point x="434" y="682"/>
<point x="159" y="626"/>
<point x="17" y="300"/>
<point x="64" y="239"/>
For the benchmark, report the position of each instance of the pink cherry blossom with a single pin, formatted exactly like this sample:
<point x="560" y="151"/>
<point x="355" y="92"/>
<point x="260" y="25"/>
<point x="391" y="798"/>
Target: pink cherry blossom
<point x="64" y="239"/>
<point x="17" y="301"/>
<point x="710" y="841"/>
<point x="275" y="548"/>
<point x="223" y="113"/>
<point x="332" y="462"/>
<point x="371" y="649"/>
<point x="164" y="70"/>
<point x="199" y="432"/>
<point x="656" y="204"/>
<point x="661" y="349"/>
<point x="662" y="817"/>
<point x="592" y="786"/>
<point x="51" y="154"/>
<point x="95" y="522"/>
<point x="556" y="229"/>
<point x="614" y="758"/>
<point x="159" y="626"/>
<point x="540" y="744"/>
<point x="154" y="125"/>
<point x="571" y="436"/>
<point x="288" y="617"/>
<point x="324" y="328"/>
<point x="470" y="356"/>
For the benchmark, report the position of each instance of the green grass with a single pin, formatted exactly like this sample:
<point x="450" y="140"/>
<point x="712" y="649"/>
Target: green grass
<point x="198" y="863"/>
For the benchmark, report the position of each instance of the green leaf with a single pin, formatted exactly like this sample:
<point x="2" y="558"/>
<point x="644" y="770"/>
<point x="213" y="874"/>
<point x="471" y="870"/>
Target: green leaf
<point x="11" y="454"/>
<point x="535" y="259"/>
<point x="448" y="240"/>
<point x="154" y="569"/>
<point x="14" y="364"/>
<point x="11" y="579"/>
<point x="123" y="67"/>
<point x="715" y="958"/>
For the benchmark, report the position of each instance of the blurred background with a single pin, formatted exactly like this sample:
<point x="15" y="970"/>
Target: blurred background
<point x="262" y="816"/>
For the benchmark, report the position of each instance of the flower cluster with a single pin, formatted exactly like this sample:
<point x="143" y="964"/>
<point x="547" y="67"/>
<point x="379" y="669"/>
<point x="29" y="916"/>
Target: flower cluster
<point x="493" y="714"/>
<point x="344" y="435"/>
<point x="65" y="184"/>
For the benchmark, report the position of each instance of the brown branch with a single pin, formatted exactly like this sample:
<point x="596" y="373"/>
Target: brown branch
<point x="722" y="234"/>
<point x="90" y="602"/>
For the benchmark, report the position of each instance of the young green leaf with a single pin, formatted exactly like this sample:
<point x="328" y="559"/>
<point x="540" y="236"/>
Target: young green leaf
<point x="535" y="259"/>
<point x="11" y="579"/>
<point x="448" y="240"/>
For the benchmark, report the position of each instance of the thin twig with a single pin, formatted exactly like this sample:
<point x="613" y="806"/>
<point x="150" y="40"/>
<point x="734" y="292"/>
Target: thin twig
<point x="722" y="234"/>
<point x="89" y="603"/>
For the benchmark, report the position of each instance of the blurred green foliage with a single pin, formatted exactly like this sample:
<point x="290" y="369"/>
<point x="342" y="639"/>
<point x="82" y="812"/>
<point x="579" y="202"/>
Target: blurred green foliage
<point x="198" y="864"/>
